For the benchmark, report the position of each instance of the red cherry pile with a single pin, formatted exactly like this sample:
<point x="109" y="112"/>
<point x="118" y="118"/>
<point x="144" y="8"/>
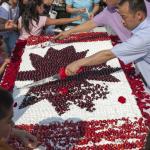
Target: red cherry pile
<point x="63" y="90"/>
<point x="82" y="92"/>
<point x="120" y="134"/>
<point x="81" y="37"/>
<point x="10" y="74"/>
<point x="50" y="63"/>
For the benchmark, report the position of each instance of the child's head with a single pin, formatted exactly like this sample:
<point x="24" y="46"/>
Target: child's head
<point x="32" y="11"/>
<point x="48" y="2"/>
<point x="34" y="7"/>
<point x="25" y="2"/>
<point x="13" y="2"/>
<point x="6" y="113"/>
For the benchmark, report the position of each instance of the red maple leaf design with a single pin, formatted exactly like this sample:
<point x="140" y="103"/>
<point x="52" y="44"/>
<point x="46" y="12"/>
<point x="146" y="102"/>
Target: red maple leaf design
<point x="81" y="92"/>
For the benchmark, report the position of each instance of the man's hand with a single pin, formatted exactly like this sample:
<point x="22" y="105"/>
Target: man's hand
<point x="62" y="35"/>
<point x="26" y="138"/>
<point x="73" y="68"/>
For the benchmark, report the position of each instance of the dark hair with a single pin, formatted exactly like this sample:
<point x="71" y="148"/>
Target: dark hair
<point x="6" y="101"/>
<point x="2" y="1"/>
<point x="30" y="14"/>
<point x="22" y="7"/>
<point x="135" y="5"/>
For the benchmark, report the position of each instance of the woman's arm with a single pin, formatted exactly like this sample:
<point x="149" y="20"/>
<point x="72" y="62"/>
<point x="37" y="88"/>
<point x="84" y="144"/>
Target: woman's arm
<point x="95" y="8"/>
<point x="94" y="11"/>
<point x="72" y="10"/>
<point x="80" y="28"/>
<point x="61" y="21"/>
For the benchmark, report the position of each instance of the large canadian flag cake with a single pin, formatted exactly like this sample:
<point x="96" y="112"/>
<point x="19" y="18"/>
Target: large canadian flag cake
<point x="97" y="109"/>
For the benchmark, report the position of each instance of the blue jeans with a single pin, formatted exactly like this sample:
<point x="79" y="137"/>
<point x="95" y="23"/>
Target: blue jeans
<point x="10" y="41"/>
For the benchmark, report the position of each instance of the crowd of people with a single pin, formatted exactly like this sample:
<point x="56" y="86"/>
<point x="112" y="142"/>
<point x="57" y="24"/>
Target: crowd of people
<point x="19" y="19"/>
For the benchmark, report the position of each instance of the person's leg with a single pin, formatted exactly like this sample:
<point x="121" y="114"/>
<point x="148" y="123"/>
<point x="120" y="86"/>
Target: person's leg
<point x="13" y="36"/>
<point x="6" y="42"/>
<point x="3" y="53"/>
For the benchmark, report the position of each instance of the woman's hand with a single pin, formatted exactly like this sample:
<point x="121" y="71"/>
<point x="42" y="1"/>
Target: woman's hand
<point x="78" y="18"/>
<point x="62" y="35"/>
<point x="82" y="10"/>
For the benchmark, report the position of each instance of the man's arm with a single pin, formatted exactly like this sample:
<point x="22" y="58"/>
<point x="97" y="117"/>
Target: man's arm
<point x="98" y="20"/>
<point x="96" y="59"/>
<point x="80" y="28"/>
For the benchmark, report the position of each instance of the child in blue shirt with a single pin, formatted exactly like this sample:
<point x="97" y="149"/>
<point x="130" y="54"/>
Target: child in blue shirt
<point x="86" y="8"/>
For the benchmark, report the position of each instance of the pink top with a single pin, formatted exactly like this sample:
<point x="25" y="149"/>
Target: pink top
<point x="35" y="29"/>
